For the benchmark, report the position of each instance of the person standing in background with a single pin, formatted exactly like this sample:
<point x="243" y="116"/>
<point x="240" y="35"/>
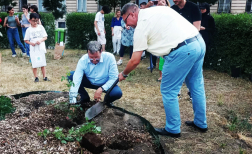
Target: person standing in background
<point x="99" y="26"/>
<point x="207" y="26"/>
<point x="34" y="9"/>
<point x="25" y="24"/>
<point x="11" y="22"/>
<point x="116" y="30"/>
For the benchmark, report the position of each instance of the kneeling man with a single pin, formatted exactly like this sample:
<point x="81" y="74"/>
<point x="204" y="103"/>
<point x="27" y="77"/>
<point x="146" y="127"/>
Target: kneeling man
<point x="95" y="70"/>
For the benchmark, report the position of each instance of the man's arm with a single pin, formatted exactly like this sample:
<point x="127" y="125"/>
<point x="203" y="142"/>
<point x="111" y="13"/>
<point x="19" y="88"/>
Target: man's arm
<point x="132" y="64"/>
<point x="96" y="26"/>
<point x="197" y="24"/>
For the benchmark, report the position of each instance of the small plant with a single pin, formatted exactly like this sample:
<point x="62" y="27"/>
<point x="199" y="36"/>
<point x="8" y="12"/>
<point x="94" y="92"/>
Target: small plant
<point x="220" y="100"/>
<point x="223" y="145"/>
<point x="70" y="82"/>
<point x="241" y="151"/>
<point x="5" y="107"/>
<point x="49" y="102"/>
<point x="132" y="73"/>
<point x="73" y="134"/>
<point x="238" y="124"/>
<point x="44" y="133"/>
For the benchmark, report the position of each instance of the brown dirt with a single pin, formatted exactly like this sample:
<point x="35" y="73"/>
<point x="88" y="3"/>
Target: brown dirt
<point x="121" y="133"/>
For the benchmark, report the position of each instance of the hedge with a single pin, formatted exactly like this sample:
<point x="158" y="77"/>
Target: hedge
<point x="49" y="25"/>
<point x="80" y="30"/>
<point x="232" y="43"/>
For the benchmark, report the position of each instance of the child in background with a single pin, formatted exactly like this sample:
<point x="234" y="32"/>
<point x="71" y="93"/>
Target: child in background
<point x="36" y="36"/>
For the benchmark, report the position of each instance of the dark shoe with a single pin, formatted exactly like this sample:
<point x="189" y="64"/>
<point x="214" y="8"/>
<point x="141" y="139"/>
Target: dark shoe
<point x="162" y="131"/>
<point x="153" y="67"/>
<point x="191" y="123"/>
<point x="189" y="95"/>
<point x="159" y="80"/>
<point x="46" y="79"/>
<point x="110" y="104"/>
<point x="36" y="79"/>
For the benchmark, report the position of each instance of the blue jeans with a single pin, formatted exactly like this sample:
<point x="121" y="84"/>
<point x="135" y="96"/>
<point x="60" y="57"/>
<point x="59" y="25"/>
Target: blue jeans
<point x="116" y="92"/>
<point x="12" y="33"/>
<point x="184" y="64"/>
<point x="27" y="46"/>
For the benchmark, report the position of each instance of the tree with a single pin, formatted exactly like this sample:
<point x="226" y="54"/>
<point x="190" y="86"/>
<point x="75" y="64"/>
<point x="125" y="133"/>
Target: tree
<point x="7" y="3"/>
<point x="57" y="7"/>
<point x="202" y="1"/>
<point x="112" y="3"/>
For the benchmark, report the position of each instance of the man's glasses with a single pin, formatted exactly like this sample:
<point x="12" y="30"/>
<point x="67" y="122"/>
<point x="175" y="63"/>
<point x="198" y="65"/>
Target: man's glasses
<point x="127" y="18"/>
<point x="95" y="59"/>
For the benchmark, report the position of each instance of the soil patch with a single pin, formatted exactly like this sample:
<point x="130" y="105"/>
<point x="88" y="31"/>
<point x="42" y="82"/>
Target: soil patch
<point x="120" y="132"/>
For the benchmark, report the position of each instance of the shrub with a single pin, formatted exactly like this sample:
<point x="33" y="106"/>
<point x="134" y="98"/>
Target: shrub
<point x="80" y="30"/>
<point x="5" y="107"/>
<point x="232" y="43"/>
<point x="49" y="25"/>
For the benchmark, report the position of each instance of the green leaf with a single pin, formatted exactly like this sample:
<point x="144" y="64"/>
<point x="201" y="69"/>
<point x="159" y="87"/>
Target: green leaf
<point x="98" y="129"/>
<point x="63" y="141"/>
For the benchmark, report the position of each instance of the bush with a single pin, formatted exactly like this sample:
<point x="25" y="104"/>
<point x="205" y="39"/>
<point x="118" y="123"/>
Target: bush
<point x="80" y="30"/>
<point x="5" y="107"/>
<point x="232" y="43"/>
<point x="49" y="25"/>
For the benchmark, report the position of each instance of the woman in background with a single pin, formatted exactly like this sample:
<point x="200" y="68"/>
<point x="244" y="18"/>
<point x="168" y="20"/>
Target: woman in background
<point x="25" y="24"/>
<point x="11" y="22"/>
<point x="116" y="30"/>
<point x="34" y="9"/>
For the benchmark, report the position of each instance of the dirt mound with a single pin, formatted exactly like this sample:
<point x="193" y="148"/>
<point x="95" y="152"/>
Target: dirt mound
<point x="120" y="132"/>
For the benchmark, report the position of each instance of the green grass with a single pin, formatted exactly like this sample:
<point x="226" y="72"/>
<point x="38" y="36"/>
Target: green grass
<point x="5" y="107"/>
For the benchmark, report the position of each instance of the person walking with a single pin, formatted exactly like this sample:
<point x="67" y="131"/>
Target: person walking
<point x="25" y="24"/>
<point x="183" y="49"/>
<point x="116" y="30"/>
<point x="11" y="22"/>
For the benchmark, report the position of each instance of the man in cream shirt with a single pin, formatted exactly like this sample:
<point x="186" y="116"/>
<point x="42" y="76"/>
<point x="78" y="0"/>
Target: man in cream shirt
<point x="163" y="32"/>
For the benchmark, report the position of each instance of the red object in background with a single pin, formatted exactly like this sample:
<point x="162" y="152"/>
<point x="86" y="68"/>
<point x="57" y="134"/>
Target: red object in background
<point x="0" y="20"/>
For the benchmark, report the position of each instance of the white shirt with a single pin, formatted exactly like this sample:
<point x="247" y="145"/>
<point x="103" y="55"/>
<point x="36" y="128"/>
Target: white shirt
<point x="99" y="17"/>
<point x="159" y="29"/>
<point x="34" y="34"/>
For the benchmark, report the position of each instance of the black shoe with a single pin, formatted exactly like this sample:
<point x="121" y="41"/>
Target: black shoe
<point x="162" y="131"/>
<point x="153" y="67"/>
<point x="189" y="93"/>
<point x="46" y="79"/>
<point x="191" y="123"/>
<point x="36" y="79"/>
<point x="110" y="104"/>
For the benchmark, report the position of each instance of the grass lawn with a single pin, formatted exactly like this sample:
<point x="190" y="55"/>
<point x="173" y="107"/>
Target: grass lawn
<point x="229" y="101"/>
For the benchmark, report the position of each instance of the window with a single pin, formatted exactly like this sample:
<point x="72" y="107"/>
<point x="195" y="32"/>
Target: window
<point x="82" y="5"/>
<point x="248" y="6"/>
<point x="224" y="6"/>
<point x="21" y="3"/>
<point x="4" y="8"/>
<point x="40" y="6"/>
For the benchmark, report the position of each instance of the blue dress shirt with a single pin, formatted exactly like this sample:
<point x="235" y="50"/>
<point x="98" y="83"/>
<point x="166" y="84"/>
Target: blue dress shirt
<point x="116" y="22"/>
<point x="102" y="74"/>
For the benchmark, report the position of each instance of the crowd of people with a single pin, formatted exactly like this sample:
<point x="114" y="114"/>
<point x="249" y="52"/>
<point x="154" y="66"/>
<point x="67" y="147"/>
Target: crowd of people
<point x="34" y="36"/>
<point x="178" y="36"/>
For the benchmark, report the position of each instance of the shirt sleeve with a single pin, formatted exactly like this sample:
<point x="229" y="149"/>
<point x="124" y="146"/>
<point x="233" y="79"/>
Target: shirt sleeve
<point x="196" y="13"/>
<point x="97" y="17"/>
<point x="77" y="78"/>
<point x="140" y="39"/>
<point x="27" y="34"/>
<point x="112" y="22"/>
<point x="44" y="34"/>
<point x="113" y="73"/>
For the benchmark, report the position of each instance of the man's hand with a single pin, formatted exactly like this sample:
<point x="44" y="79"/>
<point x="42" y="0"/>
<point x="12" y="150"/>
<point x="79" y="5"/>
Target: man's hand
<point x="120" y="76"/>
<point x="202" y="28"/>
<point x="97" y="95"/>
<point x="99" y="33"/>
<point x="149" y="4"/>
<point x="72" y="100"/>
<point x="104" y="31"/>
<point x="112" y="34"/>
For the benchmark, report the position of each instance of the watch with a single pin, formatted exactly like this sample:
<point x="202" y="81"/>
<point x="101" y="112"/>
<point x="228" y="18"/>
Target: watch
<point x="103" y="90"/>
<point x="125" y="76"/>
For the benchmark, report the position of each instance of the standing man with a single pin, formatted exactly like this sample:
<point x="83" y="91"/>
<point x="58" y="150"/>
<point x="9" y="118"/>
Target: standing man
<point x="188" y="10"/>
<point x="99" y="26"/>
<point x="183" y="49"/>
